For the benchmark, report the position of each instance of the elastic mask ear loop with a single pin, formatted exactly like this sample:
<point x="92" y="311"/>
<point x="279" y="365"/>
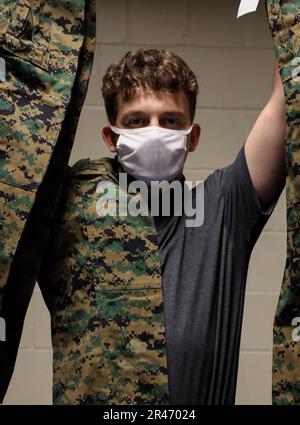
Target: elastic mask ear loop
<point x="190" y="129"/>
<point x="187" y="143"/>
<point x="116" y="130"/>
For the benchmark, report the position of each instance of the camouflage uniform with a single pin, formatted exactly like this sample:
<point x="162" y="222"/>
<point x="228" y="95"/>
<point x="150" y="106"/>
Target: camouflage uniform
<point x="48" y="47"/>
<point x="284" y="20"/>
<point x="101" y="280"/>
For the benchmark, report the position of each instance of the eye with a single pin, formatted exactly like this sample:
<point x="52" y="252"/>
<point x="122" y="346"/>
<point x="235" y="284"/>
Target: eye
<point x="135" y="122"/>
<point x="172" y="122"/>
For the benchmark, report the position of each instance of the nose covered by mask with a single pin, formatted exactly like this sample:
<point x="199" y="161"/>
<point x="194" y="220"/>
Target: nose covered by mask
<point x="152" y="153"/>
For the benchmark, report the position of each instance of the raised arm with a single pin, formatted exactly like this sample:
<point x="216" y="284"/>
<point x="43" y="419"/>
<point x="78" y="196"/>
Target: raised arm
<point x="265" y="146"/>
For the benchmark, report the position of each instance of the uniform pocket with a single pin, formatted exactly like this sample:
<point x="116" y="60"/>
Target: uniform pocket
<point x="125" y="261"/>
<point x="26" y="31"/>
<point x="124" y="250"/>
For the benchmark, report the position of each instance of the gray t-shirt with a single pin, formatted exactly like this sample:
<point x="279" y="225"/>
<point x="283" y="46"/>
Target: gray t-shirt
<point x="204" y="272"/>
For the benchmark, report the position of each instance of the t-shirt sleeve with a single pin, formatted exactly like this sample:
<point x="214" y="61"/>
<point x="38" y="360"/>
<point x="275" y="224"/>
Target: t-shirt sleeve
<point x="244" y="215"/>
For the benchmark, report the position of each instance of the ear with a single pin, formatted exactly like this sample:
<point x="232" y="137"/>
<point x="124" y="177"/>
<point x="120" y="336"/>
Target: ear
<point x="193" y="138"/>
<point x="109" y="137"/>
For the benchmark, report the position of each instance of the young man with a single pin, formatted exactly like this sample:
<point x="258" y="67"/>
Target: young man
<point x="145" y="309"/>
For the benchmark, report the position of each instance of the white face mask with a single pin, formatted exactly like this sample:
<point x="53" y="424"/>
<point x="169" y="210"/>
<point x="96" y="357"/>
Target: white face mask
<point x="152" y="153"/>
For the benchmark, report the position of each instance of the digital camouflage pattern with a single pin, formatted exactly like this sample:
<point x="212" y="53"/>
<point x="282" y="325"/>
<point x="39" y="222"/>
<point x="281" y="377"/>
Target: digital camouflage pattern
<point x="49" y="49"/>
<point x="284" y="21"/>
<point x="41" y="41"/>
<point x="101" y="280"/>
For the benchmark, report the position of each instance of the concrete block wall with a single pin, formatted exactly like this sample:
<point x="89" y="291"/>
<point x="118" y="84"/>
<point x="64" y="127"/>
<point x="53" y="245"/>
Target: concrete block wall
<point x="233" y="60"/>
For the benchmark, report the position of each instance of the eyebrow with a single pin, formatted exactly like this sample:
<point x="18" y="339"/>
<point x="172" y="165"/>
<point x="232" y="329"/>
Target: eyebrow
<point x="139" y="112"/>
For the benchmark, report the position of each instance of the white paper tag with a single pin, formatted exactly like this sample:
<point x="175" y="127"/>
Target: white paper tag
<point x="2" y="69"/>
<point x="247" y="6"/>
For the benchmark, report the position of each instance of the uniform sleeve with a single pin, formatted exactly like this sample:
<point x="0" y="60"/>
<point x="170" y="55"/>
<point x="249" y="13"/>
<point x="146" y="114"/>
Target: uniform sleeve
<point x="244" y="215"/>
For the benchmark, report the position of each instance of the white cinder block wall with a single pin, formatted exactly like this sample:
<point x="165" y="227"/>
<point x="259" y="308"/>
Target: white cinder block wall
<point x="233" y="59"/>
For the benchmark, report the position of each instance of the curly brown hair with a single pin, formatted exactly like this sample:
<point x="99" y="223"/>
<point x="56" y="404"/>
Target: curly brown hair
<point x="152" y="69"/>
